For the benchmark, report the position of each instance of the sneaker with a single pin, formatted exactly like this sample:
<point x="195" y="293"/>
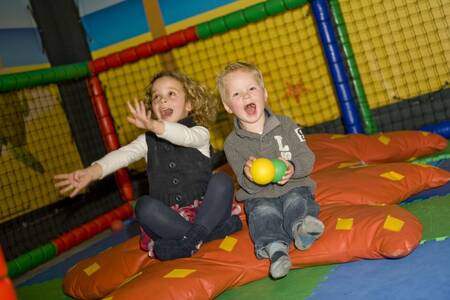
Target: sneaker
<point x="307" y="232"/>
<point x="280" y="265"/>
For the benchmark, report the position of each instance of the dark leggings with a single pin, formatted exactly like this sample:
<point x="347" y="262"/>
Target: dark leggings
<point x="160" y="221"/>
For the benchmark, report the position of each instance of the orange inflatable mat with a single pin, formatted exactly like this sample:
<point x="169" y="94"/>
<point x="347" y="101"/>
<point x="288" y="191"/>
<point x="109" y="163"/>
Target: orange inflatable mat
<point x="388" y="183"/>
<point x="352" y="232"/>
<point x="355" y="191"/>
<point x="341" y="150"/>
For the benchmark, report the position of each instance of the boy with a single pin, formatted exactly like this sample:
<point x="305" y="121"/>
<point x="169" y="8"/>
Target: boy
<point x="281" y="212"/>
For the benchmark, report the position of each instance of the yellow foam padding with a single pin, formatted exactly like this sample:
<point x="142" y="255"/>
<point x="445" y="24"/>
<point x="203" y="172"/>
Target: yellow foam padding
<point x="211" y="270"/>
<point x="19" y="69"/>
<point x="365" y="149"/>
<point x="399" y="47"/>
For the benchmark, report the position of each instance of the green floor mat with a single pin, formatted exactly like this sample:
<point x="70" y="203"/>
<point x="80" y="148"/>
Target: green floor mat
<point x="297" y="285"/>
<point x="49" y="290"/>
<point x="434" y="214"/>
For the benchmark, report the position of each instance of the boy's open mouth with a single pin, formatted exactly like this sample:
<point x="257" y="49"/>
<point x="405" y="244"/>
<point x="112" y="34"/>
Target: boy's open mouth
<point x="250" y="108"/>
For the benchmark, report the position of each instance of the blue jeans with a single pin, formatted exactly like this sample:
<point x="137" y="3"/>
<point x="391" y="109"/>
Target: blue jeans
<point x="273" y="219"/>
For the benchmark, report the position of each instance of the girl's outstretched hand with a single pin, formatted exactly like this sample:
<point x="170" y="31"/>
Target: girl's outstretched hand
<point x="140" y="118"/>
<point x="76" y="181"/>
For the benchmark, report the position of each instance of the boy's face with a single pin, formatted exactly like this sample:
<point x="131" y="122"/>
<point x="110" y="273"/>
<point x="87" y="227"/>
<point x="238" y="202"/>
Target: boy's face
<point x="169" y="100"/>
<point x="246" y="99"/>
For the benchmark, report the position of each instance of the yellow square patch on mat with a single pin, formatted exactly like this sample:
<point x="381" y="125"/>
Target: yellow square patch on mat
<point x="92" y="269"/>
<point x="228" y="243"/>
<point x="393" y="224"/>
<point x="344" y="224"/>
<point x="179" y="273"/>
<point x="394" y="176"/>
<point x="384" y="139"/>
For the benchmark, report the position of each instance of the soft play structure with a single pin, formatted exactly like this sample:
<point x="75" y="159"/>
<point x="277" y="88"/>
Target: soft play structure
<point x="366" y="80"/>
<point x="360" y="181"/>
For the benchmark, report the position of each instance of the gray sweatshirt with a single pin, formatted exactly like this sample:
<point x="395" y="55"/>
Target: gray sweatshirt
<point x="281" y="137"/>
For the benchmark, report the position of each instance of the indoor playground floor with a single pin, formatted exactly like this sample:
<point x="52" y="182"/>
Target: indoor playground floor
<point x="424" y="274"/>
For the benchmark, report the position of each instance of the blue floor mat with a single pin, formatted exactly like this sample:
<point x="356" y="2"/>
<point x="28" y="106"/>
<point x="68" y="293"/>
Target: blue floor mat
<point x="424" y="274"/>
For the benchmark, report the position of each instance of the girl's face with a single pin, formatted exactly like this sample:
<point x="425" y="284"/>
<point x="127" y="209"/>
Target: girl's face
<point x="246" y="99"/>
<point x="169" y="100"/>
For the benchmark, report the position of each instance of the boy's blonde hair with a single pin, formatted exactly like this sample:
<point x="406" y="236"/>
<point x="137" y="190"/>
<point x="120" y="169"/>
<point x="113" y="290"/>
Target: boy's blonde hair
<point x="233" y="67"/>
<point x="204" y="106"/>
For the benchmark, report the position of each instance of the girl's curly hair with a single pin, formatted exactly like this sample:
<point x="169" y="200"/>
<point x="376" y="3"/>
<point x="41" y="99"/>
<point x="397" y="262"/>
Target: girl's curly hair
<point x="204" y="104"/>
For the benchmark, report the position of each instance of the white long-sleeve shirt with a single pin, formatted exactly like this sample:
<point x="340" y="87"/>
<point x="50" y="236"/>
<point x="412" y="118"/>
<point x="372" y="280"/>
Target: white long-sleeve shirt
<point x="176" y="133"/>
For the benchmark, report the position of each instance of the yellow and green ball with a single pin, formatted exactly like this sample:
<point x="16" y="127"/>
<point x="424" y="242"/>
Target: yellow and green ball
<point x="265" y="171"/>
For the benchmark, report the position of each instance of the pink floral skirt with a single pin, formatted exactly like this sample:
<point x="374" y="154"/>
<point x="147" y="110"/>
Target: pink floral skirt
<point x="188" y="213"/>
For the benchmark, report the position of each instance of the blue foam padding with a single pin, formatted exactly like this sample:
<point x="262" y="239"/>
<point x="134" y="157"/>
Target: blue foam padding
<point x="424" y="274"/>
<point x="59" y="269"/>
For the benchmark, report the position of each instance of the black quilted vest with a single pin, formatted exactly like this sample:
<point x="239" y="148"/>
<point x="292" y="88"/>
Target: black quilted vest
<point x="176" y="174"/>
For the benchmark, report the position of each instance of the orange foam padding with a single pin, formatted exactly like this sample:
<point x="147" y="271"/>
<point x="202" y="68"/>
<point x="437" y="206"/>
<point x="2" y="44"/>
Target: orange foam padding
<point x="348" y="180"/>
<point x="352" y="232"/>
<point x="98" y="275"/>
<point x="7" y="291"/>
<point x="334" y="149"/>
<point x="3" y="267"/>
<point x="388" y="183"/>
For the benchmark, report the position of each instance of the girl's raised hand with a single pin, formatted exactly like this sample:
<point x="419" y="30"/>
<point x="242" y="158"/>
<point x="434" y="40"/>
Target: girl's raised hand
<point x="140" y="118"/>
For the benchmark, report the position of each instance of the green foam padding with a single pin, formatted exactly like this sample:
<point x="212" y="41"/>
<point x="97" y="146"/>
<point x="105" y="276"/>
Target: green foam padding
<point x="235" y="20"/>
<point x="21" y="80"/>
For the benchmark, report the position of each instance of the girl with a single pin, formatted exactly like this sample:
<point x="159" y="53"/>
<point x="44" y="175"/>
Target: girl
<point x="187" y="205"/>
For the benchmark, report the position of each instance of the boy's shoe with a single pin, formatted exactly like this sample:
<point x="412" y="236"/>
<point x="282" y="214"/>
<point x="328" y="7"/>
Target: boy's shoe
<point x="307" y="232"/>
<point x="280" y="265"/>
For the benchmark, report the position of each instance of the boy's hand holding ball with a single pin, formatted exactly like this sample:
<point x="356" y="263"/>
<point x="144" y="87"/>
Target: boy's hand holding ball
<point x="264" y="171"/>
